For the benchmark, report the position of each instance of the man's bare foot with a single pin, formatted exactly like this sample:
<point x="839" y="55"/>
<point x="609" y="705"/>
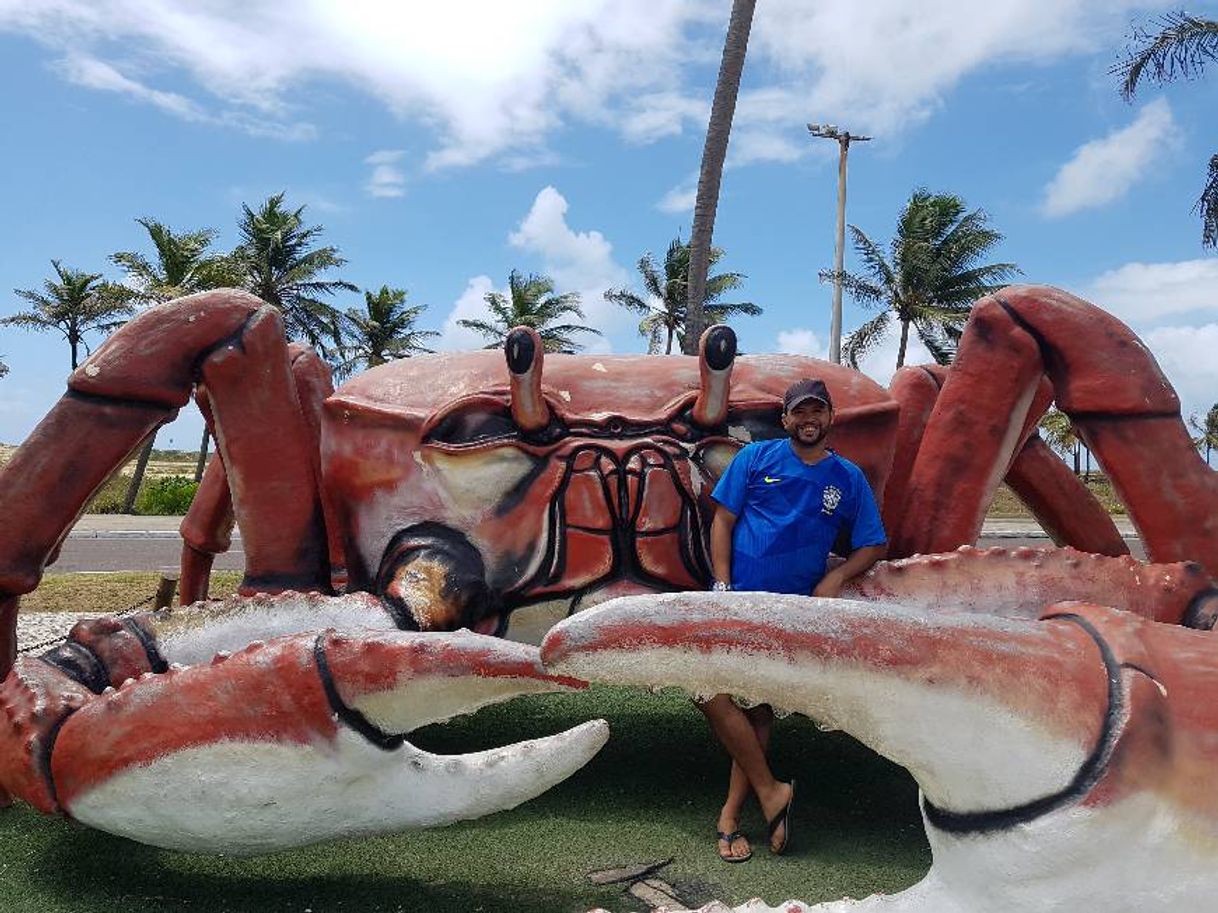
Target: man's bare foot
<point x="733" y="845"/>
<point x="774" y="807"/>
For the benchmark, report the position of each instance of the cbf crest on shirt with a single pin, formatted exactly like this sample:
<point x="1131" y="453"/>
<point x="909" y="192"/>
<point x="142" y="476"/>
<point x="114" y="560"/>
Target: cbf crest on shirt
<point x="789" y="514"/>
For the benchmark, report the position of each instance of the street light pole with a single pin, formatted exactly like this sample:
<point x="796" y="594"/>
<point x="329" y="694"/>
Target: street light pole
<point x="844" y="138"/>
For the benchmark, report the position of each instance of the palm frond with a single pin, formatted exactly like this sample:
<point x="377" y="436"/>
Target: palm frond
<point x="1180" y="48"/>
<point x="1207" y="206"/>
<point x="865" y="338"/>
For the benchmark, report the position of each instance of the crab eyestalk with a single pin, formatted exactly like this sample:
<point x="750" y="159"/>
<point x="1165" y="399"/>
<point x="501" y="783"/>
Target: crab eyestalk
<point x="717" y="353"/>
<point x="525" y="353"/>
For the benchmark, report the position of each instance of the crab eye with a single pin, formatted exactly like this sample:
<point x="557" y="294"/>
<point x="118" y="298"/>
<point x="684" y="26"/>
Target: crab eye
<point x="473" y="426"/>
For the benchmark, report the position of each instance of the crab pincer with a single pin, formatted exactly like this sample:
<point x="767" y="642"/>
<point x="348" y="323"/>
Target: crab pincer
<point x="284" y="743"/>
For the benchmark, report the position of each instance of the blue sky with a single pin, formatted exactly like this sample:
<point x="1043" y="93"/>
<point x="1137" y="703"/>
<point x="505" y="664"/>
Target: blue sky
<point x="441" y="148"/>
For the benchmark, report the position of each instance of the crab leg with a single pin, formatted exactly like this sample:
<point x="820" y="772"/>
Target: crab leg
<point x="207" y="527"/>
<point x="1105" y="379"/>
<point x="1058" y="760"/>
<point x="716" y="354"/>
<point x="1019" y="583"/>
<point x="138" y="379"/>
<point x="1066" y="508"/>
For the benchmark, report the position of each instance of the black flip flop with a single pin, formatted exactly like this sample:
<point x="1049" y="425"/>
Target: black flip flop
<point x="729" y="838"/>
<point x="783" y="819"/>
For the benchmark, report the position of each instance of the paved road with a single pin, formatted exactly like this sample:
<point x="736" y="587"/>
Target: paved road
<point x="119" y="543"/>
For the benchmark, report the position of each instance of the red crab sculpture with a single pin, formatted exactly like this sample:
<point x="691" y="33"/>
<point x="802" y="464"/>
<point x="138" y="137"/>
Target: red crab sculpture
<point x="456" y="491"/>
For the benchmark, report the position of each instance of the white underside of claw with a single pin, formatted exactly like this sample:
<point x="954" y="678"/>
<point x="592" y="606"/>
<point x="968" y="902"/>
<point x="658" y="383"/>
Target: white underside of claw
<point x="257" y="797"/>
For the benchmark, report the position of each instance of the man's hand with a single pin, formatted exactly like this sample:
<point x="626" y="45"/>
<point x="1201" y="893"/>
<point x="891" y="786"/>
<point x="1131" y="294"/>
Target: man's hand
<point x="831" y="584"/>
<point x="858" y="563"/>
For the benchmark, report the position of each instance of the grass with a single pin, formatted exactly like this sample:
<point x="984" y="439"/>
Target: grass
<point x="1006" y="506"/>
<point x="652" y="793"/>
<point x="106" y="593"/>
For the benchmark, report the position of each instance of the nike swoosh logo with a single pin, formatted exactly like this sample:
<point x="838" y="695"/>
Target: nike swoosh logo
<point x="768" y="480"/>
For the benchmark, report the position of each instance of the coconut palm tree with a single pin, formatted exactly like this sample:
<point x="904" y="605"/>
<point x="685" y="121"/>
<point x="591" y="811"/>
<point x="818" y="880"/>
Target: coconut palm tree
<point x="1207" y="431"/>
<point x="1179" y="47"/>
<point x="531" y="302"/>
<point x="382" y="331"/>
<point x="183" y="264"/>
<point x="280" y="265"/>
<point x="74" y="303"/>
<point x="718" y="132"/>
<point x="664" y="308"/>
<point x="929" y="278"/>
<point x="1058" y="432"/>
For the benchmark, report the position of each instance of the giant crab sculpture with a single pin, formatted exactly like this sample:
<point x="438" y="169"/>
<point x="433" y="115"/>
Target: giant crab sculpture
<point x="448" y="492"/>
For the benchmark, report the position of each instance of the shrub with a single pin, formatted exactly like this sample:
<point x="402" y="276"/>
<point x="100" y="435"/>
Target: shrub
<point x="166" y="496"/>
<point x="109" y="498"/>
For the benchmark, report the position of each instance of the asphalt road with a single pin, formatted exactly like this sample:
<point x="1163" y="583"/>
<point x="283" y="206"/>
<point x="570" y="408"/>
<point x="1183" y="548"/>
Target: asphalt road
<point x="132" y="552"/>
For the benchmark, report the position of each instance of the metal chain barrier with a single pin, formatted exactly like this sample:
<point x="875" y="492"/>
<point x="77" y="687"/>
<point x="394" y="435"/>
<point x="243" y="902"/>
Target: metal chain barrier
<point x="58" y="640"/>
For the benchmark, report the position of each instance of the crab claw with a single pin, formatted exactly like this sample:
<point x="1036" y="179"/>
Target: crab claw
<point x="1059" y="760"/>
<point x="302" y="739"/>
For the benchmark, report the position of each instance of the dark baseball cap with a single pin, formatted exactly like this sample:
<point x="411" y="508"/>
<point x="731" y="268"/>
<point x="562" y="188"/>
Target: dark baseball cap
<point x="808" y="388"/>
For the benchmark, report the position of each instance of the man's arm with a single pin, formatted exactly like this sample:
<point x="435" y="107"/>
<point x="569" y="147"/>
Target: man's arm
<point x="721" y="543"/>
<point x="859" y="562"/>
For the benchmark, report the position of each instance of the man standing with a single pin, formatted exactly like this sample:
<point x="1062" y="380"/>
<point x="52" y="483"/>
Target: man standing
<point x="780" y="506"/>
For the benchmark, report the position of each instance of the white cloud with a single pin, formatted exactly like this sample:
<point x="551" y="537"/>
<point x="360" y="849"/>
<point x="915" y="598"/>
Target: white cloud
<point x="470" y="306"/>
<point x="1105" y="169"/>
<point x="1149" y="292"/>
<point x="495" y="79"/>
<point x="387" y="179"/>
<point x="800" y="341"/>
<point x="580" y="261"/>
<point x="92" y="73"/>
<point x="680" y="200"/>
<point x="1186" y="355"/>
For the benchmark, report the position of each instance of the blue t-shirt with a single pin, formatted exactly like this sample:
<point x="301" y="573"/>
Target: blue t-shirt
<point x="789" y="514"/>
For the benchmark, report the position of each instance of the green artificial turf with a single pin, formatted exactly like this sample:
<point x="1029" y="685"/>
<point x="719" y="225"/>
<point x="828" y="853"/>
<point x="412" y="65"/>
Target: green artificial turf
<point x="652" y="793"/>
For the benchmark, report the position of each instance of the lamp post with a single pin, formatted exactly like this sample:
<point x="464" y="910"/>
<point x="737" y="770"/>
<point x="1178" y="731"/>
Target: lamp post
<point x="844" y="139"/>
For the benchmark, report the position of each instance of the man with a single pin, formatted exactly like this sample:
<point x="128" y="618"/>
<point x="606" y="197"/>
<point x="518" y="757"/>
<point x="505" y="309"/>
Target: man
<point x="780" y="506"/>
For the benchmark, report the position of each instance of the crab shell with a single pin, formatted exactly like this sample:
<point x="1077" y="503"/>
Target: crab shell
<point x="610" y="495"/>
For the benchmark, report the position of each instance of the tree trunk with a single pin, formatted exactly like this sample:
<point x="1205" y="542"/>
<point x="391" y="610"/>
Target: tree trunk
<point x="904" y="343"/>
<point x="201" y="463"/>
<point x="718" y="131"/>
<point x="1087" y="475"/>
<point x="140" y="465"/>
<point x="73" y="343"/>
<point x="1078" y="470"/>
<point x="668" y="348"/>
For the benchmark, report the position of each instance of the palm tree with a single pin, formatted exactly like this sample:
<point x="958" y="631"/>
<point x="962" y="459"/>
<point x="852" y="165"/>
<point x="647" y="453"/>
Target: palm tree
<point x="74" y="303"/>
<point x="1207" y="431"/>
<point x="382" y="331"/>
<point x="182" y="266"/>
<point x="928" y="280"/>
<point x="531" y="302"/>
<point x="664" y="308"/>
<point x="279" y="264"/>
<point x="718" y="132"/>
<point x="1180" y="48"/>
<point x="1058" y="432"/>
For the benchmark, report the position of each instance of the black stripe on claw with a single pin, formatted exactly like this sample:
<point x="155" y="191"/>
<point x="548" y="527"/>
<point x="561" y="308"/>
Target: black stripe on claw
<point x="1088" y="774"/>
<point x="79" y="663"/>
<point x="349" y="715"/>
